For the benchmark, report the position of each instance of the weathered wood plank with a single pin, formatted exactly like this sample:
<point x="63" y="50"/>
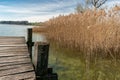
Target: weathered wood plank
<point x="13" y="49"/>
<point x="15" y="62"/>
<point x="13" y="45"/>
<point x="12" y="40"/>
<point x="22" y="76"/>
<point x="14" y="54"/>
<point x="14" y="66"/>
<point x="13" y="57"/>
<point x="16" y="70"/>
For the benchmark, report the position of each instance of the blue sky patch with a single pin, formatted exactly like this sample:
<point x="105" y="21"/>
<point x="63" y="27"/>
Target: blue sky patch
<point x="37" y="10"/>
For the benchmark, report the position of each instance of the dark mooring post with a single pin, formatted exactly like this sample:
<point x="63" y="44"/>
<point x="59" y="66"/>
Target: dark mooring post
<point x="29" y="41"/>
<point x="41" y="62"/>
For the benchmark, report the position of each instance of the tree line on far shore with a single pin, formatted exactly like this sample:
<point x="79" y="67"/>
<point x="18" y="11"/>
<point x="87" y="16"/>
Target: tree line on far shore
<point x="21" y="22"/>
<point x="15" y="22"/>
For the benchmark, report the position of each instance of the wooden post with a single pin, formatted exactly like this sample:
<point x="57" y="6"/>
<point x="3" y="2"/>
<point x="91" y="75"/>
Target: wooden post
<point x="41" y="58"/>
<point x="40" y="62"/>
<point x="29" y="41"/>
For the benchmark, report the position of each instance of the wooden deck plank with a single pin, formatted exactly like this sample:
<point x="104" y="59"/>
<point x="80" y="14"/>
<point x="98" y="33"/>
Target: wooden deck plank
<point x="15" y="62"/>
<point x="17" y="70"/>
<point x="14" y="66"/>
<point x="13" y="49"/>
<point x="12" y="40"/>
<point x="13" y="45"/>
<point x="13" y="57"/>
<point x="3" y="54"/>
<point x="23" y="76"/>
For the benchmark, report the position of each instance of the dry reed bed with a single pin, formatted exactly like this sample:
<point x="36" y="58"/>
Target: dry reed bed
<point x="94" y="31"/>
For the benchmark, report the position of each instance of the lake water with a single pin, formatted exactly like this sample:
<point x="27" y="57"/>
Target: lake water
<point x="18" y="30"/>
<point x="13" y="30"/>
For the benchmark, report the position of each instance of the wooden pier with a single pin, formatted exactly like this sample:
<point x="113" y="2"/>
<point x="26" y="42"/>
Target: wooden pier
<point x="15" y="63"/>
<point x="16" y="59"/>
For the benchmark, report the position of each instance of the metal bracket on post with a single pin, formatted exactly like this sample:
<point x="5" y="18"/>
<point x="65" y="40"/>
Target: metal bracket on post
<point x="29" y="41"/>
<point x="41" y="62"/>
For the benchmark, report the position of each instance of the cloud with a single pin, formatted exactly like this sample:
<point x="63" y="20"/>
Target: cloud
<point x="39" y="11"/>
<point x="33" y="18"/>
<point x="36" y="11"/>
<point x="38" y="7"/>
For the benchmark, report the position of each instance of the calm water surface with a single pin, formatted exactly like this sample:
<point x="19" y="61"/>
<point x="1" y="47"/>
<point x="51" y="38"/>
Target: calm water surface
<point x="13" y="30"/>
<point x="18" y="30"/>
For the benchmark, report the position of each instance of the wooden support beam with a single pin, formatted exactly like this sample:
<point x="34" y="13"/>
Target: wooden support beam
<point x="40" y="62"/>
<point x="29" y="41"/>
<point x="41" y="58"/>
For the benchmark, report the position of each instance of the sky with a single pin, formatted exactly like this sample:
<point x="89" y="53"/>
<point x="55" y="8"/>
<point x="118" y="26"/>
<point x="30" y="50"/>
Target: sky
<point x="38" y="10"/>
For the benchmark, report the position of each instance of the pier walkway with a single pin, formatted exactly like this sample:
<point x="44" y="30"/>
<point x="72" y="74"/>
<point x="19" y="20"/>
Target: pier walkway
<point x="15" y="61"/>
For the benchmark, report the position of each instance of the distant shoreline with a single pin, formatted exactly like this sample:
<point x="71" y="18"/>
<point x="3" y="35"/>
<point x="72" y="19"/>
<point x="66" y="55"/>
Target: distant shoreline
<point x="17" y="24"/>
<point x="21" y="23"/>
